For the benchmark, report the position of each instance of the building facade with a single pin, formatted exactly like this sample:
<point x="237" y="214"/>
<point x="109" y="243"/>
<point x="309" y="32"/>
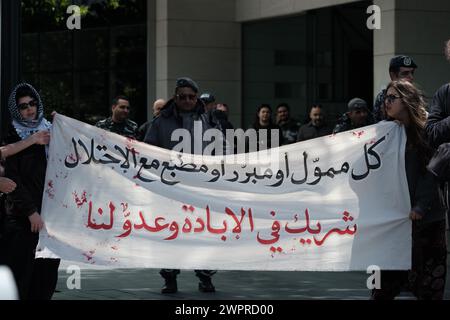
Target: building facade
<point x="246" y="52"/>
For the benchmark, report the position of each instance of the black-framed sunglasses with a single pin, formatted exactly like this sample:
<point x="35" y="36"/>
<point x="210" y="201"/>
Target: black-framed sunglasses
<point x="186" y="96"/>
<point x="26" y="105"/>
<point x="391" y="98"/>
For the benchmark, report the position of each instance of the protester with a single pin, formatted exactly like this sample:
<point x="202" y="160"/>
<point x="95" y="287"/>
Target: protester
<point x="316" y="127"/>
<point x="40" y="138"/>
<point x="265" y="128"/>
<point x="288" y="126"/>
<point x="35" y="278"/>
<point x="181" y="112"/>
<point x="119" y="121"/>
<point x="426" y="279"/>
<point x="438" y="125"/>
<point x="156" y="108"/>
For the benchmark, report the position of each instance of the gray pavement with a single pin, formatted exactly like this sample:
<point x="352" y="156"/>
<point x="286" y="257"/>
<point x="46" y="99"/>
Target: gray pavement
<point x="145" y="284"/>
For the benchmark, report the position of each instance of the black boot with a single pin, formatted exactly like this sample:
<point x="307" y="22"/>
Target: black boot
<point x="170" y="285"/>
<point x="205" y="285"/>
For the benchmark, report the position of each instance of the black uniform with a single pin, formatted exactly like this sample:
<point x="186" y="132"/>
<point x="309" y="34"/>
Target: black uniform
<point x="378" y="114"/>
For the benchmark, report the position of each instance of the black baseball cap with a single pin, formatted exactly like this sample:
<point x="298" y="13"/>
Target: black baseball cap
<point x="356" y="104"/>
<point x="186" y="83"/>
<point x="402" y="61"/>
<point x="207" y="98"/>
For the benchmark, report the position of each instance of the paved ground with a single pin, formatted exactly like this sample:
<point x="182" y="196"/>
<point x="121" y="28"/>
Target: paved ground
<point x="145" y="284"/>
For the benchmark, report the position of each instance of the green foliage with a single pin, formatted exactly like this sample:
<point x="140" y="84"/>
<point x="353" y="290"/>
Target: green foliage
<point x="50" y="15"/>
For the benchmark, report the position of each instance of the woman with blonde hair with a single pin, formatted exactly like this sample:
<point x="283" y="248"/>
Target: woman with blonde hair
<point x="426" y="279"/>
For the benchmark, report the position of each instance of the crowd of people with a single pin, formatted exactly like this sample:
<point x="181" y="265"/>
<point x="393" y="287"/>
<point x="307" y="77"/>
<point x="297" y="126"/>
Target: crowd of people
<point x="25" y="158"/>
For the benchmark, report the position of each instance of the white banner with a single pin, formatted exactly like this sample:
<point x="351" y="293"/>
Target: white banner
<point x="335" y="203"/>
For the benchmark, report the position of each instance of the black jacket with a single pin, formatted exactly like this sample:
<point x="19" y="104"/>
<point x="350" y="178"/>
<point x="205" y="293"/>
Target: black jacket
<point x="438" y="123"/>
<point x="309" y="131"/>
<point x="169" y="120"/>
<point x="423" y="189"/>
<point x="27" y="169"/>
<point x="265" y="141"/>
<point x="289" y="130"/>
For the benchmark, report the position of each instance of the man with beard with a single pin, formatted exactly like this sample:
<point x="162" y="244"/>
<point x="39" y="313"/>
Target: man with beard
<point x="316" y="127"/>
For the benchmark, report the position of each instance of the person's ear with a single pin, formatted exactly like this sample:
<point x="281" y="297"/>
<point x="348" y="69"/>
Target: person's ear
<point x="393" y="75"/>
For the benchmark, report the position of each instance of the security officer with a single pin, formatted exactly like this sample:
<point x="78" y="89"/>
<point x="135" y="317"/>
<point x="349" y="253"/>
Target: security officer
<point x="357" y="116"/>
<point x="209" y="100"/>
<point x="119" y="122"/>
<point x="400" y="68"/>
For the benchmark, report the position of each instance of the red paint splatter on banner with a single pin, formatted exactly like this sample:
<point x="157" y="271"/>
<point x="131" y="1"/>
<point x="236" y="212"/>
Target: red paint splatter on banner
<point x="79" y="201"/>
<point x="50" y="190"/>
<point x="224" y="238"/>
<point x="72" y="157"/>
<point x="347" y="216"/>
<point x="88" y="255"/>
<point x="358" y="134"/>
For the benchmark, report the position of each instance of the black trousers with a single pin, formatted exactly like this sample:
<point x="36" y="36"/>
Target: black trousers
<point x="35" y="278"/>
<point x="172" y="273"/>
<point x="426" y="280"/>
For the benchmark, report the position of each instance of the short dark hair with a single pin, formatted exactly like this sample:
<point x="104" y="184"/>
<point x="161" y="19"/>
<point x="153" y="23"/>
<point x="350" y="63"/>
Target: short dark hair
<point x="283" y="104"/>
<point x="315" y="105"/>
<point x="24" y="92"/>
<point x="262" y="106"/>
<point x="115" y="101"/>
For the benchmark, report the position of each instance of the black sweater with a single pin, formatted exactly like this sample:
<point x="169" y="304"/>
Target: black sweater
<point x="27" y="169"/>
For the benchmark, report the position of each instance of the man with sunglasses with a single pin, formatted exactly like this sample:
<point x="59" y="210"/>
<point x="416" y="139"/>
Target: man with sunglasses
<point x="181" y="112"/>
<point x="119" y="122"/>
<point x="401" y="67"/>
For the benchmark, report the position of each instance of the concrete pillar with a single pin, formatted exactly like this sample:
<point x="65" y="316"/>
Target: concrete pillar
<point x="201" y="40"/>
<point x="151" y="57"/>
<point x="247" y="10"/>
<point x="415" y="28"/>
